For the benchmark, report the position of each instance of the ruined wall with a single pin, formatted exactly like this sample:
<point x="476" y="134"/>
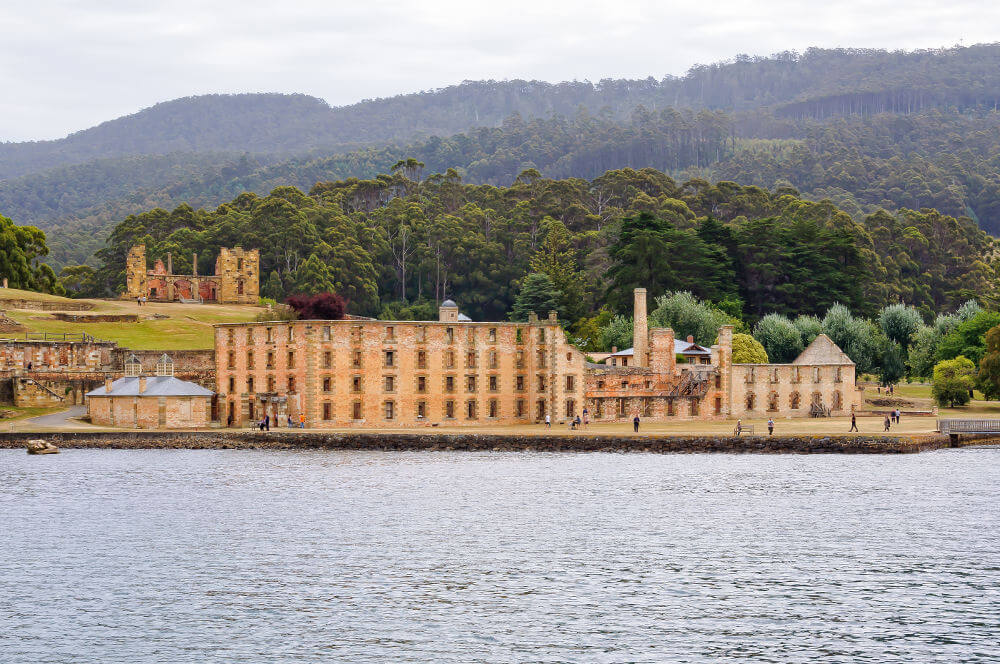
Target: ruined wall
<point x="135" y="272"/>
<point x="238" y="273"/>
<point x="197" y="366"/>
<point x="236" y="278"/>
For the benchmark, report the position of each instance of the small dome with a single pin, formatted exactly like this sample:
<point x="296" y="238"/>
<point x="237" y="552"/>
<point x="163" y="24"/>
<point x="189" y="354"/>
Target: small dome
<point x="450" y="304"/>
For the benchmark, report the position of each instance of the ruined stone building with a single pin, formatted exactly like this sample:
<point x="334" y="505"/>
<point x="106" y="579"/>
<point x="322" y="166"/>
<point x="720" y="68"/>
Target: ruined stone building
<point x="398" y="373"/>
<point x="647" y="380"/>
<point x="236" y="279"/>
<point x="368" y="373"/>
<point x="46" y="370"/>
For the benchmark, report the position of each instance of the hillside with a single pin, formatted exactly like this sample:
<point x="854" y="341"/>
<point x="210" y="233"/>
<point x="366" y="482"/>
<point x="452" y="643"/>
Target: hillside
<point x="867" y="128"/>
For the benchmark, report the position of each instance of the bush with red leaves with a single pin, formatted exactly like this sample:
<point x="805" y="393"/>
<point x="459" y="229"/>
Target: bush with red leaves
<point x="322" y="306"/>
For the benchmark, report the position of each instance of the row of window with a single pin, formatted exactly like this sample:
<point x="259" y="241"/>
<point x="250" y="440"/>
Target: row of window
<point x="389" y="334"/>
<point x="389" y="383"/>
<point x="794" y="401"/>
<point x="389" y="359"/>
<point x="796" y="375"/>
<point x="390" y="410"/>
<point x="620" y="407"/>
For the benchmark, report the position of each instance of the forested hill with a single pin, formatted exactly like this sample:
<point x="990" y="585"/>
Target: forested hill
<point x="868" y="129"/>
<point x="816" y="83"/>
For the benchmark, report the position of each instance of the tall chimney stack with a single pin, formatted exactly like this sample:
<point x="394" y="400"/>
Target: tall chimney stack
<point x="170" y="263"/>
<point x="640" y="330"/>
<point x="194" y="265"/>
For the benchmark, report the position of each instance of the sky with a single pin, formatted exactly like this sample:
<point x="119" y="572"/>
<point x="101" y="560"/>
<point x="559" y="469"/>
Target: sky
<point x="69" y="65"/>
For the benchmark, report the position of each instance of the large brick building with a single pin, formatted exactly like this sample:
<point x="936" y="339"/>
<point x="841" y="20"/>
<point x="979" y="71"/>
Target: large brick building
<point x="368" y="373"/>
<point x="236" y="279"/>
<point x="398" y="373"/>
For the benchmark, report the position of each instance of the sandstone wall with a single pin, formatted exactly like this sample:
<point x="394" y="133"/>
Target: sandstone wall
<point x="492" y="443"/>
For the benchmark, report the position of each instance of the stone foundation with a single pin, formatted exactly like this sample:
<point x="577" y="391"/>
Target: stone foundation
<point x="498" y="443"/>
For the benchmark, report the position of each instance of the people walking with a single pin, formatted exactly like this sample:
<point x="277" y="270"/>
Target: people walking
<point x="887" y="423"/>
<point x="770" y="427"/>
<point x="586" y="417"/>
<point x="548" y="421"/>
<point x="302" y="421"/>
<point x="290" y="425"/>
<point x="854" y="423"/>
<point x="897" y="414"/>
<point x="635" y="423"/>
<point x="267" y="422"/>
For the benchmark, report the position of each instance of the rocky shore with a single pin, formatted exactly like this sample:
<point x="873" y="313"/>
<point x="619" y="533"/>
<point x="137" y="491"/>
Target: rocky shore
<point x="492" y="442"/>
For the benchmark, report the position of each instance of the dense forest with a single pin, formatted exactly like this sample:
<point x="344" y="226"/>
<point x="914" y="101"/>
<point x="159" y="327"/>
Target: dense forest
<point x="868" y="129"/>
<point x="400" y="240"/>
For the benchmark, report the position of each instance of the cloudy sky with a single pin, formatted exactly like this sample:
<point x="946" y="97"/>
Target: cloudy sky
<point x="68" y="65"/>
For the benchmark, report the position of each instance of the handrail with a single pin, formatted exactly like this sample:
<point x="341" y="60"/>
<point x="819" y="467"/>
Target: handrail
<point x="951" y="426"/>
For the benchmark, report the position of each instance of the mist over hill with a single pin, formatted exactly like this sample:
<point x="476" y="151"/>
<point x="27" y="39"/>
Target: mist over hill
<point x="866" y="128"/>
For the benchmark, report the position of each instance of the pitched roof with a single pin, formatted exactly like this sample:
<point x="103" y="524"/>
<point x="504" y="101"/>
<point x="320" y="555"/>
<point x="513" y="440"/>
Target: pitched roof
<point x="628" y="352"/>
<point x="156" y="386"/>
<point x="689" y="348"/>
<point x="822" y="350"/>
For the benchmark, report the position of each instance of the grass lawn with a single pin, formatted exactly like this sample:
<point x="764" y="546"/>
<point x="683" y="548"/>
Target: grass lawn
<point x="185" y="327"/>
<point x="23" y="413"/>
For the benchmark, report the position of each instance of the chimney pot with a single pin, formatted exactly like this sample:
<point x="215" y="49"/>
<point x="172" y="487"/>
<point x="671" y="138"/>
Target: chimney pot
<point x="690" y="338"/>
<point x="614" y="349"/>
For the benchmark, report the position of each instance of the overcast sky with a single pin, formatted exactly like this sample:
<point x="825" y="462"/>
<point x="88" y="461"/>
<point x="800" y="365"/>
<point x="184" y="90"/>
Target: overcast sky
<point x="66" y="66"/>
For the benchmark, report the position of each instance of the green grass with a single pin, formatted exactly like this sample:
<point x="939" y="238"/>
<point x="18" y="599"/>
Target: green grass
<point x="18" y="294"/>
<point x="186" y="326"/>
<point x="23" y="413"/>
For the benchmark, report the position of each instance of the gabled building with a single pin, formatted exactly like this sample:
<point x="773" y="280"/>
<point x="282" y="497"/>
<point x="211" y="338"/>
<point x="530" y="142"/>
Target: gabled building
<point x="160" y="401"/>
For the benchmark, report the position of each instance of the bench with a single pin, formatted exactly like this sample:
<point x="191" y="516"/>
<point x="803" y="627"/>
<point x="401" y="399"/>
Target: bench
<point x="744" y="429"/>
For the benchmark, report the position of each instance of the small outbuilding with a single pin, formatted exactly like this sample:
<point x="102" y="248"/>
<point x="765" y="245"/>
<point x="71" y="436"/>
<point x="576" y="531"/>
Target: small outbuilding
<point x="150" y="402"/>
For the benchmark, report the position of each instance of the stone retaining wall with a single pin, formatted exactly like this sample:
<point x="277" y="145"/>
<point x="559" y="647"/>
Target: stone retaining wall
<point x="489" y="442"/>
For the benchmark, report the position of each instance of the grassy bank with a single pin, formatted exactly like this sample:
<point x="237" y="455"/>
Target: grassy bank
<point x="167" y="326"/>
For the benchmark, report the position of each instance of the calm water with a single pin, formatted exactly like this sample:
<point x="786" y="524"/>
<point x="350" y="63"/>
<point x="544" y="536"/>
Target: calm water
<point x="236" y="556"/>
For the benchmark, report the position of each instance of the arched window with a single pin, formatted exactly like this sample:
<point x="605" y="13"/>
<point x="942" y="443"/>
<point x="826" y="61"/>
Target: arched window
<point x="794" y="401"/>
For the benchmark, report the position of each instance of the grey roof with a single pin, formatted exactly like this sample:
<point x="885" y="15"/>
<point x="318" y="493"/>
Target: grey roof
<point x="626" y="352"/>
<point x="450" y="304"/>
<point x="156" y="386"/>
<point x="689" y="348"/>
<point x="464" y="318"/>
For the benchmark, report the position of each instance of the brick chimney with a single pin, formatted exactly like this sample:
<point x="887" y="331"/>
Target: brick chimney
<point x="142" y="384"/>
<point x="194" y="266"/>
<point x="107" y="384"/>
<point x="640" y="329"/>
<point x="690" y="338"/>
<point x="553" y="316"/>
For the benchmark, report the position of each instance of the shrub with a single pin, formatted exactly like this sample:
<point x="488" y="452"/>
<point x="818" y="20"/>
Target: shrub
<point x="953" y="381"/>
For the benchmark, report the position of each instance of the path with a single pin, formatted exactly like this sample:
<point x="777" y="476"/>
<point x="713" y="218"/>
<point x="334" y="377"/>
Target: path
<point x="60" y="419"/>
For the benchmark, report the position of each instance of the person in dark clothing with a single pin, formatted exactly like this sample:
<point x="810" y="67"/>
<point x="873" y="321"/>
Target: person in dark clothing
<point x="887" y="423"/>
<point x="854" y="423"/>
<point x="635" y="424"/>
<point x="770" y="427"/>
<point x="267" y="423"/>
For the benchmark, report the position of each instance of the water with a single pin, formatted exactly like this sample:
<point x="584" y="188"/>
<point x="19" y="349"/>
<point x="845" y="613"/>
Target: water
<point x="238" y="556"/>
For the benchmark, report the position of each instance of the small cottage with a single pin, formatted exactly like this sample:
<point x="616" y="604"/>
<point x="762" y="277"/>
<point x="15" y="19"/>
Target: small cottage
<point x="159" y="401"/>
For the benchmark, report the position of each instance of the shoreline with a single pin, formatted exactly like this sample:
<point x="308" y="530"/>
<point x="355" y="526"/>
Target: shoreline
<point x="477" y="442"/>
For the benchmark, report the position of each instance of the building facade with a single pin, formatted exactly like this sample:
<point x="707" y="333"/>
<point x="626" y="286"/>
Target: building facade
<point x="361" y="373"/>
<point x="376" y="374"/>
<point x="236" y="279"/>
<point x="159" y="401"/>
<point x="647" y="380"/>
